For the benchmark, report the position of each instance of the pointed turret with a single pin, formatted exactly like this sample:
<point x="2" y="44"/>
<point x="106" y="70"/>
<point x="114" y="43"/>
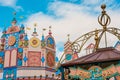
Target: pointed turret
<point x="43" y="39"/>
<point x="35" y="32"/>
<point x="14" y="21"/>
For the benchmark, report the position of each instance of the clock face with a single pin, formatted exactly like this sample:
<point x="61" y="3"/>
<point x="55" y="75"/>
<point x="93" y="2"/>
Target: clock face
<point x="11" y="40"/>
<point x="68" y="56"/>
<point x="50" y="59"/>
<point x="34" y="42"/>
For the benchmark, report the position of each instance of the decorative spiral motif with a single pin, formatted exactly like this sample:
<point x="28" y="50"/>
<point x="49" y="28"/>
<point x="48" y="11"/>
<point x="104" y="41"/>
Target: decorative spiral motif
<point x="75" y="47"/>
<point x="104" y="20"/>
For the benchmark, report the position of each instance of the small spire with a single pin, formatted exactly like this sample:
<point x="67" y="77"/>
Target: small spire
<point x="14" y="21"/>
<point x="43" y="34"/>
<point x="35" y="32"/>
<point x="50" y="30"/>
<point x="68" y="37"/>
<point x="35" y="24"/>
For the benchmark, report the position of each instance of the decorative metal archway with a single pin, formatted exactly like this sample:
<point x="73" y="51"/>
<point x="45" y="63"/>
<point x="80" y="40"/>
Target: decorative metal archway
<point x="104" y="20"/>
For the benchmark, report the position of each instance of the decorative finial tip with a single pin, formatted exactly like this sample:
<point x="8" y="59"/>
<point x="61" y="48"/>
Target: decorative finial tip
<point x="50" y="30"/>
<point x="103" y="6"/>
<point x="50" y="27"/>
<point x="44" y="29"/>
<point x="68" y="37"/>
<point x="35" y="24"/>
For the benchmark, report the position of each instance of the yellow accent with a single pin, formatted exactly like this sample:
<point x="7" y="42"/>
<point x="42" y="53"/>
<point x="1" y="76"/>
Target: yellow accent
<point x="35" y="24"/>
<point x="34" y="42"/>
<point x="28" y="28"/>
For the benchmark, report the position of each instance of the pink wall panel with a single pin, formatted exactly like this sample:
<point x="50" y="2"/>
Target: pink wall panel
<point x="7" y="59"/>
<point x="13" y="57"/>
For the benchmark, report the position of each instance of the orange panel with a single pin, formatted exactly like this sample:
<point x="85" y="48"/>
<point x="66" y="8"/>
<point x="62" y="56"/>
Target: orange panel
<point x="34" y="58"/>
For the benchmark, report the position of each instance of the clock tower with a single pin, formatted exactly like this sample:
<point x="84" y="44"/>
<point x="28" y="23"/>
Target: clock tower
<point x="11" y="49"/>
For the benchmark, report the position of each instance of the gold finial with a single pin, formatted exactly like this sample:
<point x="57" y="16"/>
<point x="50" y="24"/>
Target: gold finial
<point x="104" y="19"/>
<point x="44" y="29"/>
<point x="68" y="37"/>
<point x="50" y="30"/>
<point x="35" y="24"/>
<point x="50" y="27"/>
<point x="103" y="6"/>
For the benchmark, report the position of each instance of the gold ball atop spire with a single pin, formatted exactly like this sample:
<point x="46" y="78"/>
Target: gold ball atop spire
<point x="44" y="29"/>
<point x="35" y="24"/>
<point x="50" y="27"/>
<point x="103" y="6"/>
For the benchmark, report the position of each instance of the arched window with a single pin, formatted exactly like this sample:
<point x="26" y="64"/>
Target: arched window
<point x="50" y="42"/>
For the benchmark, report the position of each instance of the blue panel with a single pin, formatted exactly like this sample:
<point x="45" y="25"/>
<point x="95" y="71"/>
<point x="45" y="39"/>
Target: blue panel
<point x="50" y="41"/>
<point x="19" y="62"/>
<point x="25" y="58"/>
<point x="1" y="59"/>
<point x="10" y="73"/>
<point x="43" y="59"/>
<point x="20" y="50"/>
<point x="56" y="59"/>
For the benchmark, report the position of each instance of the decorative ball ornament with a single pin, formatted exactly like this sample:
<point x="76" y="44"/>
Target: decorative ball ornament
<point x="11" y="40"/>
<point x="34" y="42"/>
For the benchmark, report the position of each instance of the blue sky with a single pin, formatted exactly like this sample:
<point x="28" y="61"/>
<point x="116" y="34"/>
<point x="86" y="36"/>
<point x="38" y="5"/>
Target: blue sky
<point x="65" y="16"/>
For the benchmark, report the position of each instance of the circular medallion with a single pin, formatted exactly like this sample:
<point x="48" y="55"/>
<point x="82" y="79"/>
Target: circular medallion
<point x="68" y="57"/>
<point x="50" y="59"/>
<point x="11" y="40"/>
<point x="34" y="42"/>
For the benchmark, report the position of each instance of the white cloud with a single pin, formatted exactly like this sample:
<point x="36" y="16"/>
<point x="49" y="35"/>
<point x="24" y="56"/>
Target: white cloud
<point x="10" y="3"/>
<point x="70" y="19"/>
